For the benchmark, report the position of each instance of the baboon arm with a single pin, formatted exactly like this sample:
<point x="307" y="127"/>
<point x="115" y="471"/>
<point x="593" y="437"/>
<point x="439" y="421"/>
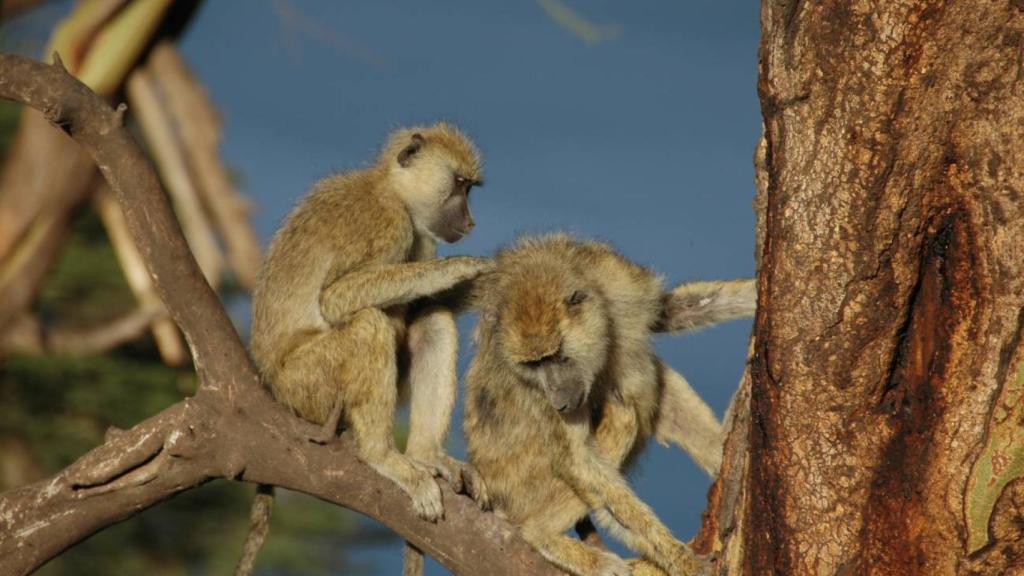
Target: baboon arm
<point x="699" y="304"/>
<point x="458" y="298"/>
<point x="386" y="285"/>
<point x="604" y="488"/>
<point x="600" y="485"/>
<point x="687" y="421"/>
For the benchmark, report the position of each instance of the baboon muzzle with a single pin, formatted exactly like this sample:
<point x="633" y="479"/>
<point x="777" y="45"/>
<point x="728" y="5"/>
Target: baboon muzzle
<point x="566" y="398"/>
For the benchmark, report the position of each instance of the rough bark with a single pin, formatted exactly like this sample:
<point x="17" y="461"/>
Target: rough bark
<point x="885" y="430"/>
<point x="231" y="429"/>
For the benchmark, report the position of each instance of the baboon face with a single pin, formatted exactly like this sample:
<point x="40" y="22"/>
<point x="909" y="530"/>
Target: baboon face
<point x="453" y="220"/>
<point x="438" y="181"/>
<point x="554" y="334"/>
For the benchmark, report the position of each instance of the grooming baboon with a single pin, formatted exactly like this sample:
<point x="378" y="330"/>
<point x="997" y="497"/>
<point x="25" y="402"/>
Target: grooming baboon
<point x="565" y="389"/>
<point x="335" y="306"/>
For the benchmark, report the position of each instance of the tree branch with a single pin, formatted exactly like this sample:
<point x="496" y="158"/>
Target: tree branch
<point x="231" y="429"/>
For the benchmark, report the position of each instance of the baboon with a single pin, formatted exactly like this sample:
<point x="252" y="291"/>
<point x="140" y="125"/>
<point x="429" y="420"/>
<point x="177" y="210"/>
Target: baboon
<point x="565" y="389"/>
<point x="338" y="323"/>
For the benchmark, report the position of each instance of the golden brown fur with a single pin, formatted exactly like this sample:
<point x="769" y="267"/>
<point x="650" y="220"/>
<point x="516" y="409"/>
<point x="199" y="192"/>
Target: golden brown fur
<point x="565" y="388"/>
<point x="335" y="303"/>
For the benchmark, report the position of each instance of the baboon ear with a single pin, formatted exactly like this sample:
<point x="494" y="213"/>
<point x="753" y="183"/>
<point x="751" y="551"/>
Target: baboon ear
<point x="405" y="156"/>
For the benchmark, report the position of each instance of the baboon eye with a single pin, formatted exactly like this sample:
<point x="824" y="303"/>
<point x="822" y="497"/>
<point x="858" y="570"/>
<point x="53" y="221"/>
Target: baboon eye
<point x="460" y="181"/>
<point x="577" y="298"/>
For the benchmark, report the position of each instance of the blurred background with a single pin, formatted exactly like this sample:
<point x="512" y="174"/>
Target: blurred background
<point x="630" y="122"/>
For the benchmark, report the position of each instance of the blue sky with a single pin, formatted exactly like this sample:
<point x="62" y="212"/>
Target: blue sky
<point x="644" y="139"/>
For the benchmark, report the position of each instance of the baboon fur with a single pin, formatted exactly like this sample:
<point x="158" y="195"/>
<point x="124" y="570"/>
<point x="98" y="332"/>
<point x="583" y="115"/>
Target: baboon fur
<point x="565" y="389"/>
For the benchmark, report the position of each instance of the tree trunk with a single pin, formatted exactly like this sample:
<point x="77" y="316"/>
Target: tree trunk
<point x="886" y="426"/>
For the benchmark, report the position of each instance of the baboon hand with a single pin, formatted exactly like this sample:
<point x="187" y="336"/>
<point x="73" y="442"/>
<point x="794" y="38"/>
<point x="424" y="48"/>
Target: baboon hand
<point x="473" y="266"/>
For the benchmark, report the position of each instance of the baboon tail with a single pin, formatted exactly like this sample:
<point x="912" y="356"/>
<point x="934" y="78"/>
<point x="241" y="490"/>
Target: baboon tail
<point x="412" y="561"/>
<point x="694" y="305"/>
<point x="259" y="523"/>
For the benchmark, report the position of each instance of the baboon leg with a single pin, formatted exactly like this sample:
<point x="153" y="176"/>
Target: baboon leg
<point x="433" y="348"/>
<point x="686" y="420"/>
<point x="309" y="381"/>
<point x="545" y="531"/>
<point x="370" y="393"/>
<point x="351" y="372"/>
